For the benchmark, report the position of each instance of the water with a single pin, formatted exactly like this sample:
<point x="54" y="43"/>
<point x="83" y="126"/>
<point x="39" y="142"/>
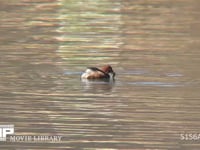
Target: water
<point x="153" y="46"/>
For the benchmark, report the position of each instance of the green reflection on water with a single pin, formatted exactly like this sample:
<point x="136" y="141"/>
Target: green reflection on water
<point x="89" y="27"/>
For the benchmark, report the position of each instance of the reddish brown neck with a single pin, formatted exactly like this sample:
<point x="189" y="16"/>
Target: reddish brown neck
<point x="107" y="69"/>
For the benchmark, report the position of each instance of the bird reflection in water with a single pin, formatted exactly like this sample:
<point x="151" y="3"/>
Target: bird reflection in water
<point x="98" y="85"/>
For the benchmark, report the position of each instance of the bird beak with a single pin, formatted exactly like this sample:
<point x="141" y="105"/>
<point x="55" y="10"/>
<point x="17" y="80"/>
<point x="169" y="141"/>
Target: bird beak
<point x="114" y="74"/>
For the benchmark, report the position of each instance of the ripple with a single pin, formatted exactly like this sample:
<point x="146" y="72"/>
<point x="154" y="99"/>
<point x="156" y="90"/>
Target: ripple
<point x="161" y="84"/>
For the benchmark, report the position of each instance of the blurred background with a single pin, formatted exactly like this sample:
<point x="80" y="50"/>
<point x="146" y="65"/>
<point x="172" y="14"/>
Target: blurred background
<point x="153" y="46"/>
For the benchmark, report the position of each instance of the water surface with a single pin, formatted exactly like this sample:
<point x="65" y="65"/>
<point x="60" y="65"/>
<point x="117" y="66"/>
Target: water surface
<point x="153" y="46"/>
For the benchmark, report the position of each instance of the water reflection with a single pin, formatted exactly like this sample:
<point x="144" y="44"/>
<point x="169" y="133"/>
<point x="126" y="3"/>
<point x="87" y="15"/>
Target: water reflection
<point x="94" y="86"/>
<point x="89" y="31"/>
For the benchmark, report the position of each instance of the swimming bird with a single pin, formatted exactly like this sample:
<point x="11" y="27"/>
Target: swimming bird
<point x="106" y="72"/>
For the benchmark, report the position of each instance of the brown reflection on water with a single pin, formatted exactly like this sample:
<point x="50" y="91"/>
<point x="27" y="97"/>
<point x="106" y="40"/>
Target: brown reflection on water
<point x="153" y="47"/>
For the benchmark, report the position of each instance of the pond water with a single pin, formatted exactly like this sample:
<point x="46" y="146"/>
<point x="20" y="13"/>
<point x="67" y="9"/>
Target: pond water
<point x="153" y="46"/>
